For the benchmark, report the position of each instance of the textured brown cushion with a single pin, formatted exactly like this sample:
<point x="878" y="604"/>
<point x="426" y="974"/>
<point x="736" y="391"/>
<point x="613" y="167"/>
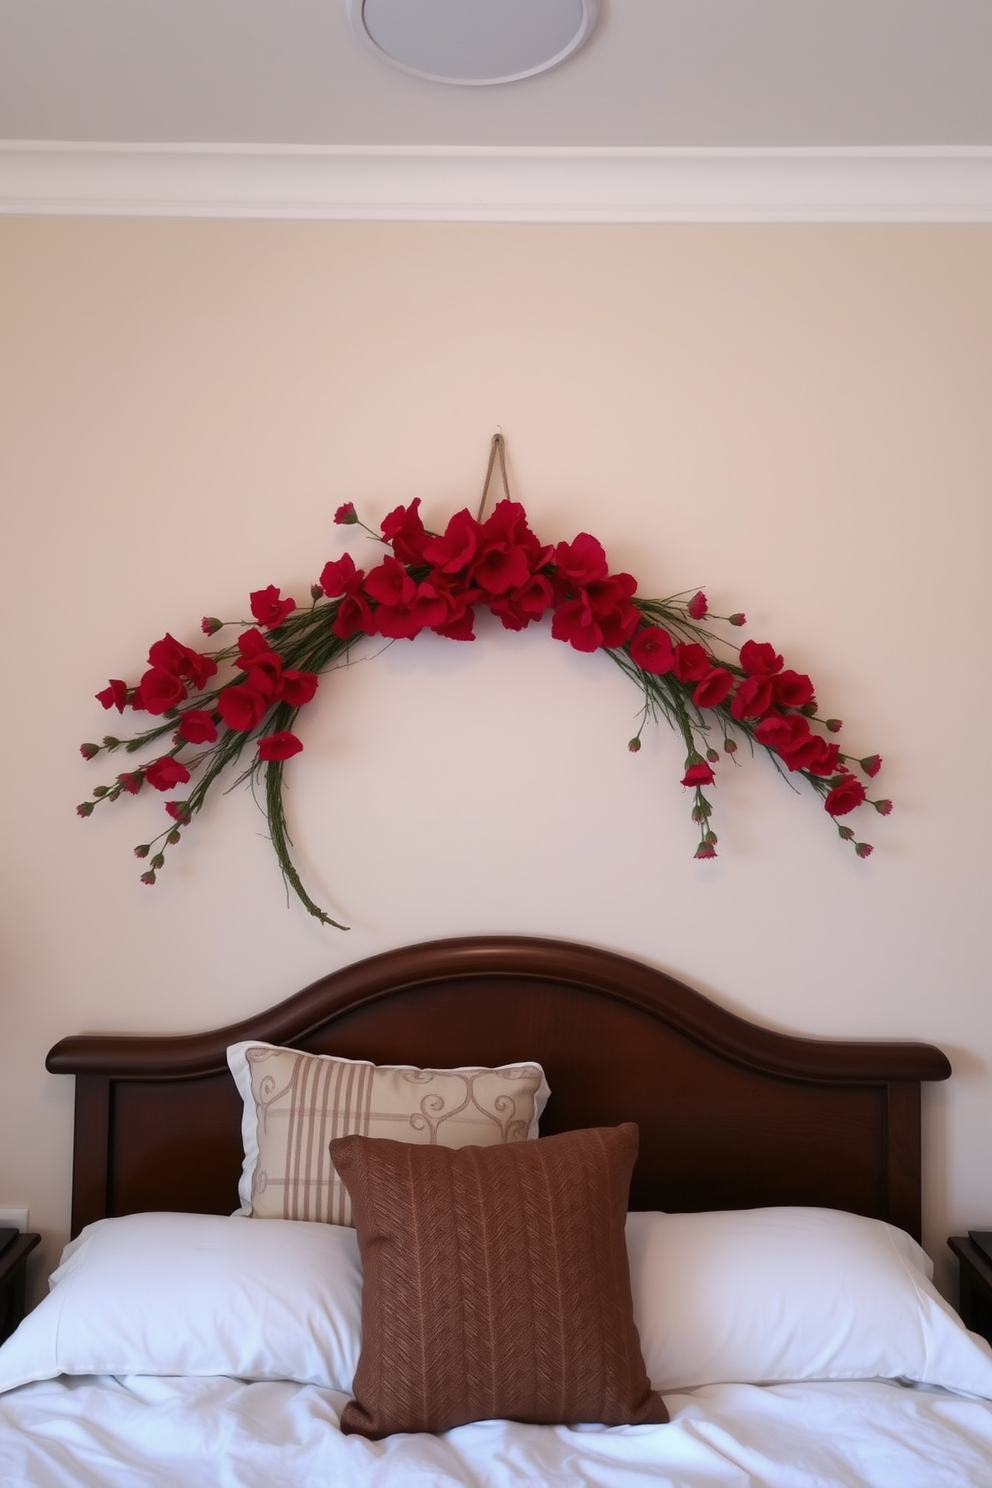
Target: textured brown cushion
<point x="496" y="1284"/>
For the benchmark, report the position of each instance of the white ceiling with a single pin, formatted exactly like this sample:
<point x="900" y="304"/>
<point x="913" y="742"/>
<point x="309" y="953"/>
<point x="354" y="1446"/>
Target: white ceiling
<point x="828" y="76"/>
<point x="655" y="72"/>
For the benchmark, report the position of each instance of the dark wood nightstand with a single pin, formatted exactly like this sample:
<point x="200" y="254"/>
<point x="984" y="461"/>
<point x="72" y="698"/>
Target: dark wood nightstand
<point x="13" y="1274"/>
<point x="975" y="1305"/>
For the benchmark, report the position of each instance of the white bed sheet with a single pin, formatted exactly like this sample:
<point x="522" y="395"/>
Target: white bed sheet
<point x="147" y="1432"/>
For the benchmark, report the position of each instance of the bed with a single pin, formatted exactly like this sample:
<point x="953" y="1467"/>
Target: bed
<point x="783" y="1306"/>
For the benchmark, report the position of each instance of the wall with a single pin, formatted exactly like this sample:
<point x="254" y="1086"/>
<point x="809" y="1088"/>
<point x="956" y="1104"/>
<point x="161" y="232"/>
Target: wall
<point x="794" y="418"/>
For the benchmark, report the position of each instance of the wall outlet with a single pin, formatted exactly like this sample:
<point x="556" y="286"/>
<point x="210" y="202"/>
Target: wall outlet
<point x="16" y="1217"/>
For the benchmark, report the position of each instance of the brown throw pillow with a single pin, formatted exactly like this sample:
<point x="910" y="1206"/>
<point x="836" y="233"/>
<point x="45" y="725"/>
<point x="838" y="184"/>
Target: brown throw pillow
<point x="496" y="1284"/>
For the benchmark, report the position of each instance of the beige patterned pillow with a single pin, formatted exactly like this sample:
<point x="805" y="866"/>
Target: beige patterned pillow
<point x="295" y="1104"/>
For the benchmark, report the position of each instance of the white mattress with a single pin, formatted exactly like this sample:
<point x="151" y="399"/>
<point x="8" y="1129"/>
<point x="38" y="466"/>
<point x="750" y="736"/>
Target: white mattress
<point x="216" y="1432"/>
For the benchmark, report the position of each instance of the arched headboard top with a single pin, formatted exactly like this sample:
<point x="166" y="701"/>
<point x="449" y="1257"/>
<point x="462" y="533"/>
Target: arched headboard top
<point x="731" y="1114"/>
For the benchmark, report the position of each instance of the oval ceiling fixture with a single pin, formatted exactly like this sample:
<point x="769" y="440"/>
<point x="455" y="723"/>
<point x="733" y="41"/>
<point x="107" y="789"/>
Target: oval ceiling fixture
<point x="473" y="42"/>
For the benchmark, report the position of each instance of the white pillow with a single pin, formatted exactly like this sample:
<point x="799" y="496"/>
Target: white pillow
<point x="294" y="1103"/>
<point x="197" y="1294"/>
<point x="765" y="1296"/>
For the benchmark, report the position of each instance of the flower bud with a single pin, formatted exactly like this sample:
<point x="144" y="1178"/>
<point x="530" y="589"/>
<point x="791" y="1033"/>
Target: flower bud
<point x="99" y="791"/>
<point x="882" y="807"/>
<point x="846" y="832"/>
<point x="316" y="592"/>
<point x="871" y="764"/>
<point x="634" y="744"/>
<point x="698" y="607"/>
<point x="210" y="625"/>
<point x="148" y="878"/>
<point x="705" y="850"/>
<point x="89" y="751"/>
<point x="730" y="746"/>
<point x="710" y="837"/>
<point x="346" y="516"/>
<point x="158" y="861"/>
<point x="712" y="755"/>
<point x="834" y="725"/>
<point x="737" y="618"/>
<point x="173" y="837"/>
<point x="85" y="808"/>
<point x="863" y="849"/>
<point x="109" y="742"/>
<point x="142" y="850"/>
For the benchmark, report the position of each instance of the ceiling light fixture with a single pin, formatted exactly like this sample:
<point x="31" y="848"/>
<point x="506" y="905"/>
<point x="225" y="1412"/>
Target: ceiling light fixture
<point x="473" y="42"/>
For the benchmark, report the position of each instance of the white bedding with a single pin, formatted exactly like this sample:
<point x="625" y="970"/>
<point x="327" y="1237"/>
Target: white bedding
<point x="196" y="1351"/>
<point x="148" y="1432"/>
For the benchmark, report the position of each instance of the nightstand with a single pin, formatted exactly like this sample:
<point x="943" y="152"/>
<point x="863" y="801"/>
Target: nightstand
<point x="975" y="1304"/>
<point x="13" y="1274"/>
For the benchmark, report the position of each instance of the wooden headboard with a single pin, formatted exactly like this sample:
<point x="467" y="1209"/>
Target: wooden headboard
<point x="731" y="1115"/>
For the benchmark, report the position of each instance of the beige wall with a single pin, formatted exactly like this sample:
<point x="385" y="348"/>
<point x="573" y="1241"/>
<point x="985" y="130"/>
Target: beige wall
<point x="795" y="418"/>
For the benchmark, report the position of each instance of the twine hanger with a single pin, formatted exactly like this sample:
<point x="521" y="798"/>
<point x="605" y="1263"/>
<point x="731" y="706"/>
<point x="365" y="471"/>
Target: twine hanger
<point x="496" y="449"/>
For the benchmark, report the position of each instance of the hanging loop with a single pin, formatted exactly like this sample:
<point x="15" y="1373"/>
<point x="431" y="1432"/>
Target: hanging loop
<point x="496" y="449"/>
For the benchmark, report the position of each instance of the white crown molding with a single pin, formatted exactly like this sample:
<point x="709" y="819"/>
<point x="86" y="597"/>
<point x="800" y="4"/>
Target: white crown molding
<point x="470" y="184"/>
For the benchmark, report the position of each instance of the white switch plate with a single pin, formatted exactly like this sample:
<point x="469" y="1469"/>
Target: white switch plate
<point x="16" y="1217"/>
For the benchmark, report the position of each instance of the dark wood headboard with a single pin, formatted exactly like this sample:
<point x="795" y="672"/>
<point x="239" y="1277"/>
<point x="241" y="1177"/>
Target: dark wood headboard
<point x="731" y="1115"/>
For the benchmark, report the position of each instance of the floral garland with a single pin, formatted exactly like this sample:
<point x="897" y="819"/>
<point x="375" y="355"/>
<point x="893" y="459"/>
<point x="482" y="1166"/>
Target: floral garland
<point x="212" y="704"/>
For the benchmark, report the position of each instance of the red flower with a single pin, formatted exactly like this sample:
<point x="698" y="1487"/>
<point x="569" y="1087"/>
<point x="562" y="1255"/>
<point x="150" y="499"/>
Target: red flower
<point x="459" y="544"/>
<point x="132" y="783"/>
<point x="280" y="746"/>
<point x="793" y="690"/>
<point x="114" y="695"/>
<point x="575" y="623"/>
<point x="354" y="617"/>
<point x="518" y="607"/>
<point x="698" y="774"/>
<point x="242" y="707"/>
<point x="159" y="690"/>
<point x="390" y="584"/>
<point x="197" y="727"/>
<point x="268" y="609"/>
<point x="871" y="764"/>
<point x="697" y="606"/>
<point x="340" y="576"/>
<point x="692" y="661"/>
<point x="404" y="532"/>
<point x="759" y="659"/>
<point x="581" y="561"/>
<point x="346" y="516"/>
<point x="779" y="731"/>
<point x="507" y="550"/>
<point x="170" y="655"/>
<point x="713" y="688"/>
<point x="753" y="698"/>
<point x="812" y="754"/>
<point x="844" y="796"/>
<point x="166" y="772"/>
<point x="609" y="600"/>
<point x="651" y="649"/>
<point x="297" y="688"/>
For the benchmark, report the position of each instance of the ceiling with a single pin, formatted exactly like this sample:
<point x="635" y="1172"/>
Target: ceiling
<point x="655" y="72"/>
<point x="893" y="78"/>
